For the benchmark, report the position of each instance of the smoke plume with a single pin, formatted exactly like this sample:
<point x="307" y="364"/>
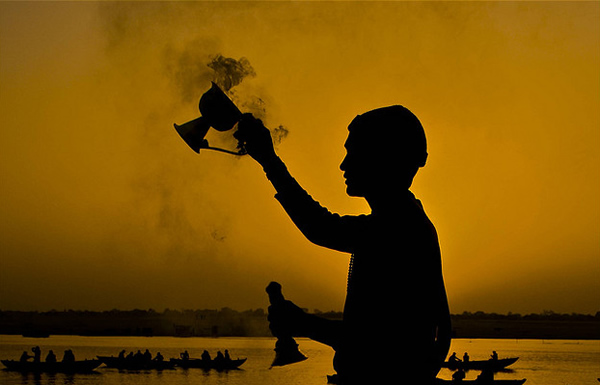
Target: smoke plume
<point x="191" y="70"/>
<point x="229" y="72"/>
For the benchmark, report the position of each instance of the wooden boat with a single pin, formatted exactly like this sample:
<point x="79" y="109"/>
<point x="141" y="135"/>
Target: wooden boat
<point x="134" y="364"/>
<point x="217" y="364"/>
<point x="439" y="381"/>
<point x="52" y="367"/>
<point x="333" y="379"/>
<point x="493" y="365"/>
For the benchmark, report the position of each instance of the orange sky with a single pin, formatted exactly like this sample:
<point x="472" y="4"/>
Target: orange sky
<point x="102" y="206"/>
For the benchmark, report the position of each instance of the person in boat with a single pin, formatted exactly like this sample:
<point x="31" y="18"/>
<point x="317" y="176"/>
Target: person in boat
<point x="37" y="354"/>
<point x="220" y="358"/>
<point x="159" y="357"/>
<point x="185" y="355"/>
<point x="147" y="356"/>
<point x="25" y="357"/>
<point x="205" y="356"/>
<point x="122" y="354"/>
<point x="227" y="357"/>
<point x="453" y="358"/>
<point x="139" y="356"/>
<point x="494" y="356"/>
<point x="51" y="357"/>
<point x="130" y="356"/>
<point x="466" y="357"/>
<point x="459" y="375"/>
<point x="395" y="258"/>
<point x="68" y="356"/>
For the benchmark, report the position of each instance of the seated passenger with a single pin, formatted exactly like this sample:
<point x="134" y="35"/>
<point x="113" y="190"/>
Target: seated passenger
<point x="453" y="358"/>
<point x="51" y="357"/>
<point x="25" y="357"/>
<point x="68" y="356"/>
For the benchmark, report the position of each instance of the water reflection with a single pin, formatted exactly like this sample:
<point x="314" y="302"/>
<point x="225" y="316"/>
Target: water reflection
<point x="558" y="363"/>
<point x="48" y="378"/>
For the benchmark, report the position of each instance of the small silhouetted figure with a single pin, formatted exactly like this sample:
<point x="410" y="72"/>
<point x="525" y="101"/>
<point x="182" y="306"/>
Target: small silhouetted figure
<point x="185" y="355"/>
<point x="494" y="356"/>
<point x="227" y="357"/>
<point x="466" y="357"/>
<point x="130" y="356"/>
<point x="25" y="357"/>
<point x="147" y="355"/>
<point x="68" y="356"/>
<point x="205" y="356"/>
<point x="453" y="358"/>
<point x="139" y="356"/>
<point x="395" y="258"/>
<point x="51" y="357"/>
<point x="159" y="357"/>
<point x="37" y="354"/>
<point x="122" y="354"/>
<point x="459" y="375"/>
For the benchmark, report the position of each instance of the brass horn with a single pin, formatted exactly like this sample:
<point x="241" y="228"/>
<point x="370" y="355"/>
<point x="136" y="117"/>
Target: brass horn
<point x="286" y="348"/>
<point x="218" y="112"/>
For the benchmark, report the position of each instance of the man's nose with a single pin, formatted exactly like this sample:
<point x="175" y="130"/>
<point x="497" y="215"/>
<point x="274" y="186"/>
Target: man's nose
<point x="344" y="163"/>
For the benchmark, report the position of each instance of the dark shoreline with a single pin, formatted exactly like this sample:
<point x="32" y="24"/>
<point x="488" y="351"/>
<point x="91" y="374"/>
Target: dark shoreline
<point x="253" y="323"/>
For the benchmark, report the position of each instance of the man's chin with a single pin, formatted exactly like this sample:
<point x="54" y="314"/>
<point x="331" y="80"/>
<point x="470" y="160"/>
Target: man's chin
<point x="353" y="192"/>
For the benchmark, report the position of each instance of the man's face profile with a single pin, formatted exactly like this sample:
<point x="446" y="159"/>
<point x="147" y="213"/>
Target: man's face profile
<point x="353" y="172"/>
<point x="359" y="165"/>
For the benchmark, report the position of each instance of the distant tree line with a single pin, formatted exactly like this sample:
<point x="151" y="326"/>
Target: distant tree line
<point x="546" y="315"/>
<point x="253" y="323"/>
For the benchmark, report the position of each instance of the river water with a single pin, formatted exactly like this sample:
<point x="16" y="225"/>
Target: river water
<point x="556" y="362"/>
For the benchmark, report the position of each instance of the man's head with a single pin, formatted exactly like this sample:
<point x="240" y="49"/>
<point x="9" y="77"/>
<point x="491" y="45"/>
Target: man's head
<point x="384" y="149"/>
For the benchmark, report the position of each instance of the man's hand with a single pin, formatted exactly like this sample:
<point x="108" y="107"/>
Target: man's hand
<point x="256" y="139"/>
<point x="287" y="319"/>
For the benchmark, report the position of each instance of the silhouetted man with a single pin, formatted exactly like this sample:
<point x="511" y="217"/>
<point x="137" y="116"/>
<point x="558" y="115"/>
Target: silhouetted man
<point x="68" y="356"/>
<point x="37" y="354"/>
<point x="396" y="300"/>
<point x="25" y="357"/>
<point x="51" y="357"/>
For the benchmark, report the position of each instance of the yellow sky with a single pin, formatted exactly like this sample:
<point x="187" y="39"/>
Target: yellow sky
<point x="103" y="206"/>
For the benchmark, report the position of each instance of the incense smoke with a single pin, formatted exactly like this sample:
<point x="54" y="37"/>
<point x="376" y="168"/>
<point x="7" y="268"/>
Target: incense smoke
<point x="229" y="72"/>
<point x="179" y="222"/>
<point x="191" y="71"/>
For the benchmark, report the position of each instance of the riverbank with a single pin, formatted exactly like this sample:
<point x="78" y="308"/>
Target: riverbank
<point x="253" y="323"/>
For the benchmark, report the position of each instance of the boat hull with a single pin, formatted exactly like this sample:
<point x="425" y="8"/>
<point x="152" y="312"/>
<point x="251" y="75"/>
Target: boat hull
<point x="52" y="367"/>
<point x="197" y="363"/>
<point x="494" y="365"/>
<point x="333" y="379"/>
<point x="494" y="382"/>
<point x="129" y="364"/>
